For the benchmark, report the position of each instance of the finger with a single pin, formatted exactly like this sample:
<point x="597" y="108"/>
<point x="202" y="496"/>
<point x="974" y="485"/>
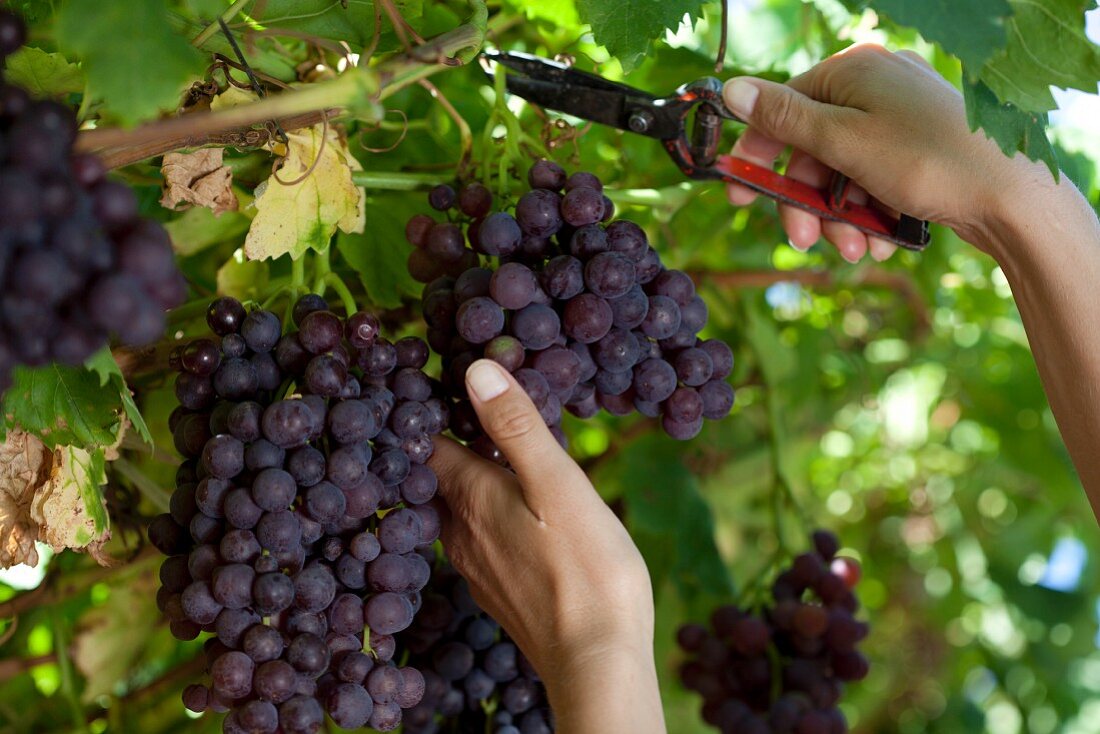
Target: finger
<point x="849" y="241"/>
<point x="740" y="195"/>
<point x="466" y="481"/>
<point x="756" y="148"/>
<point x="513" y="423"/>
<point x="781" y="113"/>
<point x="881" y="250"/>
<point x="803" y="228"/>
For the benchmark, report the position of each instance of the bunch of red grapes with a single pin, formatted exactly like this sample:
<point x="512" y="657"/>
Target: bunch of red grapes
<point x="578" y="307"/>
<point x="469" y="665"/>
<point x="781" y="669"/>
<point x="301" y="516"/>
<point x="77" y="261"/>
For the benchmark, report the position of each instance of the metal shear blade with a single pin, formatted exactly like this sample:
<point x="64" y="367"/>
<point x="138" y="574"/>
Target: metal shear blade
<point x="555" y="86"/>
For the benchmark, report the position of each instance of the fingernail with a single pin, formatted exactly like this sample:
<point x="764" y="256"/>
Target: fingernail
<point x="740" y="96"/>
<point x="849" y="255"/>
<point x="800" y="249"/>
<point x="485" y="380"/>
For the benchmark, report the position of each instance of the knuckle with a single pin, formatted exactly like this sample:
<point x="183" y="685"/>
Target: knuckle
<point x="785" y="113"/>
<point x="514" y="422"/>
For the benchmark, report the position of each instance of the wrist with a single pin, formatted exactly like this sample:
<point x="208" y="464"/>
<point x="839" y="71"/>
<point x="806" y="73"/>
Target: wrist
<point x="1026" y="205"/>
<point x="609" y="686"/>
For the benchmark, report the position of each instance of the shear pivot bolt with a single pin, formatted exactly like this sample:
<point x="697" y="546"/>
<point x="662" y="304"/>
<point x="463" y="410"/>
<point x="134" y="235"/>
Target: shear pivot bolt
<point x="640" y="121"/>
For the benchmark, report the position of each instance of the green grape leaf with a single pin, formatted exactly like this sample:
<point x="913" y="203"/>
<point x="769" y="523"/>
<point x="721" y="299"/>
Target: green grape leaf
<point x="1010" y="127"/>
<point x="560" y="13"/>
<point x="380" y="252"/>
<point x="64" y="406"/>
<point x="199" y="228"/>
<point x="626" y="29"/>
<point x="43" y="74"/>
<point x="670" y="520"/>
<point x="1047" y="46"/>
<point x="134" y="60"/>
<point x="245" y="280"/>
<point x="973" y="31"/>
<point x="327" y="19"/>
<point x="206" y="9"/>
<point x="103" y="363"/>
<point x="111" y="637"/>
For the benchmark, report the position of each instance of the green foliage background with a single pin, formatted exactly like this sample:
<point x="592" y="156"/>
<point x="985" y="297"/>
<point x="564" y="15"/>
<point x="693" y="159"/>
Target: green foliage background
<point x="896" y="403"/>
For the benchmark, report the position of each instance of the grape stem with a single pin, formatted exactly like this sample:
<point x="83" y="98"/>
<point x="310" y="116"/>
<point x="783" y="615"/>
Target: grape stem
<point x="397" y="180"/>
<point x="148" y="488"/>
<point x="322" y="266"/>
<point x="342" y="290"/>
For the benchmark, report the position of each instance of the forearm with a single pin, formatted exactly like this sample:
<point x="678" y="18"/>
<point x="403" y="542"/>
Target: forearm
<point x="1051" y="256"/>
<point x="610" y="690"/>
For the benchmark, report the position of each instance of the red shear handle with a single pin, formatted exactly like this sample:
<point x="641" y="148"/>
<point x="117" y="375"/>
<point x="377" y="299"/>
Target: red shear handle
<point x="907" y="232"/>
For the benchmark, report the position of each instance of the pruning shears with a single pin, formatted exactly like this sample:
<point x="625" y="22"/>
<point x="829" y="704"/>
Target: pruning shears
<point x="691" y="140"/>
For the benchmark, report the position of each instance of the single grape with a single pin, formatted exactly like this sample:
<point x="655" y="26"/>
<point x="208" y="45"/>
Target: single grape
<point x="513" y="286"/>
<point x="474" y="200"/>
<point x="536" y="326"/>
<point x="546" y="174"/>
<point x="479" y="320"/>
<point x="538" y="213"/>
<point x="582" y="205"/>
<point x="499" y="235"/>
<point x="587" y="318"/>
<point x="441" y="198"/>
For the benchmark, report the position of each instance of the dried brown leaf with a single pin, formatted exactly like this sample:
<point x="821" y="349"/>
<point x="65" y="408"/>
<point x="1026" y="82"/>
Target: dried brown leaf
<point x="198" y="179"/>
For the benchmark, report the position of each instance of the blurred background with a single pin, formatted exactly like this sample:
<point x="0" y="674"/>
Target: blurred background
<point x="896" y="404"/>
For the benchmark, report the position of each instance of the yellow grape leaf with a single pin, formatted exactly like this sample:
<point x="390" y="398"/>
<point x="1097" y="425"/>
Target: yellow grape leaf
<point x="55" y="496"/>
<point x="232" y="97"/>
<point x="300" y="215"/>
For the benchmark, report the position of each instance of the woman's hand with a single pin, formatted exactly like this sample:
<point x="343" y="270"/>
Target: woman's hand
<point x="891" y="124"/>
<point x="547" y="558"/>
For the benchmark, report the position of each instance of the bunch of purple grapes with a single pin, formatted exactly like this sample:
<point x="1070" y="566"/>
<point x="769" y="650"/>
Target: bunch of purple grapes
<point x="298" y="522"/>
<point x="469" y="663"/>
<point x="808" y="631"/>
<point x="77" y="262"/>
<point x="580" y="308"/>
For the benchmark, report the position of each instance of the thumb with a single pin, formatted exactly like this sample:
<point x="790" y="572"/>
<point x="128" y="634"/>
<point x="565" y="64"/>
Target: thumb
<point x="513" y="423"/>
<point x="785" y="114"/>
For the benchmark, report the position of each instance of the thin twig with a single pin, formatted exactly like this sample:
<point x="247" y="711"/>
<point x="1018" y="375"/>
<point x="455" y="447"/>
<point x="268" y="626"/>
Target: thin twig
<point x="400" y="26"/>
<point x="48" y="594"/>
<point x="12" y="667"/>
<point x="375" y="37"/>
<point x="720" y="63"/>
<point x="465" y="135"/>
<point x="209" y="31"/>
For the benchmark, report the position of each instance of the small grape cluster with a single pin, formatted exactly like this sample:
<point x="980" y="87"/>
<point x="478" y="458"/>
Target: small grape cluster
<point x="298" y="522"/>
<point x="77" y="262"/>
<point x="580" y="309"/>
<point x="805" y="642"/>
<point x="469" y="665"/>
